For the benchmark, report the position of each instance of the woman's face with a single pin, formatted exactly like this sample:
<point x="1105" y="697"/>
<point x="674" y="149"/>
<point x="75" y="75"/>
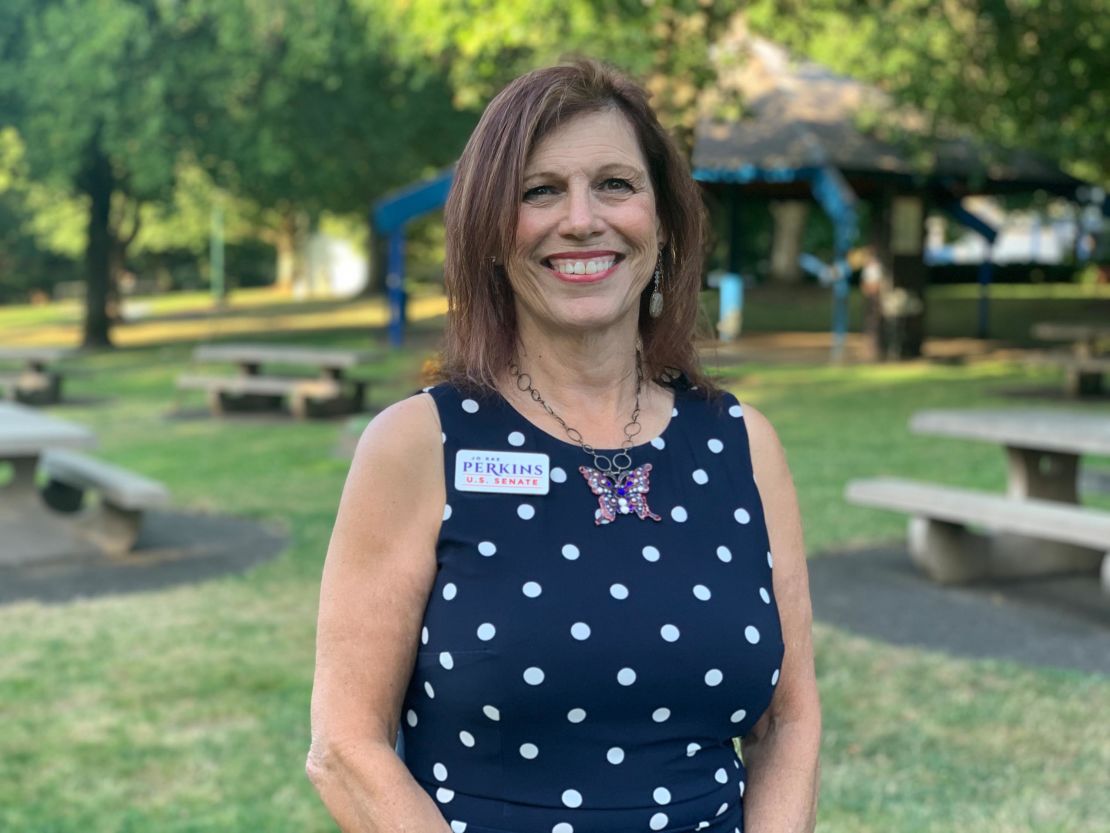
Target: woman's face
<point x="587" y="234"/>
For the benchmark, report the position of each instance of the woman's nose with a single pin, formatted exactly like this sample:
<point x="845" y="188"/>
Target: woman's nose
<point x="580" y="217"/>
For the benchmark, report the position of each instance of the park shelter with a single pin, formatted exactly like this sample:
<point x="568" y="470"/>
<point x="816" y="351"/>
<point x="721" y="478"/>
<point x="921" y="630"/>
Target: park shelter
<point x="808" y="135"/>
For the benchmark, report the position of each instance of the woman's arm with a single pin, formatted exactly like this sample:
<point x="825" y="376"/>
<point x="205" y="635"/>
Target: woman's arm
<point x="379" y="570"/>
<point x="781" y="751"/>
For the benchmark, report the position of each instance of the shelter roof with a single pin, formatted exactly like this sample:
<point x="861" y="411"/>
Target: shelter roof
<point x="801" y="116"/>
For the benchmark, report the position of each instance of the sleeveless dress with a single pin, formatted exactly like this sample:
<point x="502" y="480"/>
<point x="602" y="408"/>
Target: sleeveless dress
<point x="582" y="678"/>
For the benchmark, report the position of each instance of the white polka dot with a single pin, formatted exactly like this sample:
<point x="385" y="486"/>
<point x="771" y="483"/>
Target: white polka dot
<point x="533" y="675"/>
<point x="692" y="749"/>
<point x="659" y="821"/>
<point x="715" y="445"/>
<point x="721" y="776"/>
<point x="618" y="591"/>
<point x="751" y="633"/>
<point x="531" y="589"/>
<point x="487" y="548"/>
<point x="775" y="677"/>
<point x="674" y="412"/>
<point x="572" y="798"/>
<point x="558" y="475"/>
<point x="651" y="553"/>
<point x="659" y="443"/>
<point x="661" y="795"/>
<point x="458" y="826"/>
<point x="763" y="594"/>
<point x="444" y="795"/>
<point x="626" y="676"/>
<point x="770" y="560"/>
<point x="411" y="717"/>
<point x="427" y="388"/>
<point x="713" y="677"/>
<point x="661" y="715"/>
<point x="562" y="827"/>
<point x="576" y="715"/>
<point x="580" y="630"/>
<point x="446" y="511"/>
<point x="741" y="789"/>
<point x="526" y="511"/>
<point x="615" y="755"/>
<point x="738" y="716"/>
<point x="492" y="712"/>
<point x="424" y="635"/>
<point x="700" y="477"/>
<point x="669" y="633"/>
<point x="443" y="438"/>
<point x="742" y="516"/>
<point x="678" y="514"/>
<point x="721" y="809"/>
<point x="446" y="660"/>
<point x="440" y="772"/>
<point x="570" y="552"/>
<point x="466" y="738"/>
<point x="431" y="692"/>
<point x="736" y="411"/>
<point x="470" y="406"/>
<point x="486" y="631"/>
<point x="529" y="751"/>
<point x="702" y="592"/>
<point x="450" y="591"/>
<point x="516" y="438"/>
<point x="725" y="554"/>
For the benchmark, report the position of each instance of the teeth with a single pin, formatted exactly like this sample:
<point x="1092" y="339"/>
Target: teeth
<point x="583" y="267"/>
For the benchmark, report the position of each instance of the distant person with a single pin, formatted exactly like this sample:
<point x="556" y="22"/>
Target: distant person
<point x="549" y="604"/>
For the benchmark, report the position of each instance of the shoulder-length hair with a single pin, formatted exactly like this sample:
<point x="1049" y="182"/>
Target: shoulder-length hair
<point x="481" y="219"/>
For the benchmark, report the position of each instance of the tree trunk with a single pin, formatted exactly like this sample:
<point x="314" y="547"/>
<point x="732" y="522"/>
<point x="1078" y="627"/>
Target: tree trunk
<point x="97" y="180"/>
<point x="898" y="235"/>
<point x="285" y="243"/>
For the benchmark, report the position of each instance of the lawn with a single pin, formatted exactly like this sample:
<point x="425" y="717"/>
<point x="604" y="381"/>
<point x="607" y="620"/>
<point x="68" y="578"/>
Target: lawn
<point x="186" y="709"/>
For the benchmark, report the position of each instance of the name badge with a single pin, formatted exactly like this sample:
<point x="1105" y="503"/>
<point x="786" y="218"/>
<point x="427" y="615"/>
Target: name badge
<point x="504" y="472"/>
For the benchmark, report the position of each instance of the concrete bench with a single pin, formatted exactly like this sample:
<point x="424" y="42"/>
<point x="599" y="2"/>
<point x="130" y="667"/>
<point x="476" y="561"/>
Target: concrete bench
<point x="306" y="397"/>
<point x="1030" y="536"/>
<point x="124" y="495"/>
<point x="1084" y="373"/>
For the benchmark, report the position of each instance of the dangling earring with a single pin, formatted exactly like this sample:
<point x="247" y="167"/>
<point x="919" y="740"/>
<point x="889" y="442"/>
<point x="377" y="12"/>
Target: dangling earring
<point x="655" y="304"/>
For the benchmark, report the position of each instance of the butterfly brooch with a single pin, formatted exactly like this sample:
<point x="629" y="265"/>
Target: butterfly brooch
<point x="626" y="495"/>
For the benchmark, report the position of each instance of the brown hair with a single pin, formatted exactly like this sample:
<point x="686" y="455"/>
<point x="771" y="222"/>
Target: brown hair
<point x="481" y="216"/>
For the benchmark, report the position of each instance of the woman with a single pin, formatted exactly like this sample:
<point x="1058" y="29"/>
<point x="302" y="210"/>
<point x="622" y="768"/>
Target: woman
<point x="550" y="582"/>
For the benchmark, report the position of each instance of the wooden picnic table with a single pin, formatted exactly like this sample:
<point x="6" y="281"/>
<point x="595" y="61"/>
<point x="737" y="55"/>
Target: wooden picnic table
<point x="1085" y="362"/>
<point x="31" y="528"/>
<point x="1038" y="527"/>
<point x="331" y="391"/>
<point x="34" y="380"/>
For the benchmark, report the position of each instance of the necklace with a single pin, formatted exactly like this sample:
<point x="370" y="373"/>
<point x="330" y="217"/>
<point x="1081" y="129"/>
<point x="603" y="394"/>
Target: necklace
<point x="620" y="489"/>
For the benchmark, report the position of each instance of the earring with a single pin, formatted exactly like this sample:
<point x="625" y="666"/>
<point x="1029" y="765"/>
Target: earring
<point x="655" y="304"/>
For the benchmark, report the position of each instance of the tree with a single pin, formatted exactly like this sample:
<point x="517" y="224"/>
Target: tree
<point x="87" y="85"/>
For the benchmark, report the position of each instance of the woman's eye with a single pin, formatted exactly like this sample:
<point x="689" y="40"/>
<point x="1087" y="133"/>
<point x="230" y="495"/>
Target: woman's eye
<point x="538" y="191"/>
<point x="616" y="184"/>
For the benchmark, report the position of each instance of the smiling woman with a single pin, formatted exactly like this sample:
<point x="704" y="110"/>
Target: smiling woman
<point x="554" y="594"/>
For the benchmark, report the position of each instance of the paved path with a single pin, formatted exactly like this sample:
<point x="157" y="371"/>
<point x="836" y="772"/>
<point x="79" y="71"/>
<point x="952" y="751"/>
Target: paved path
<point x="1059" y="622"/>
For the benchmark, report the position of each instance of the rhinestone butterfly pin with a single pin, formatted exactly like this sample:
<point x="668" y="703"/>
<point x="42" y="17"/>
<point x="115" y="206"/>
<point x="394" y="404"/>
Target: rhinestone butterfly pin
<point x="625" y="496"/>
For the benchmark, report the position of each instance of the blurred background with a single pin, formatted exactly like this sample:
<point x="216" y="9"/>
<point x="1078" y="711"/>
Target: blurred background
<point x="900" y="193"/>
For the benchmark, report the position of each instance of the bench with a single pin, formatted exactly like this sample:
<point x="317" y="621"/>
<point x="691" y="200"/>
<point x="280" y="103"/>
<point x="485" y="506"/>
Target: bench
<point x="1031" y="536"/>
<point x="124" y="496"/>
<point x="331" y="392"/>
<point x="1084" y="373"/>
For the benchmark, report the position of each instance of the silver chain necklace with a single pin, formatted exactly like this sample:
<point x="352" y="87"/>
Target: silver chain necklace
<point x="620" y="488"/>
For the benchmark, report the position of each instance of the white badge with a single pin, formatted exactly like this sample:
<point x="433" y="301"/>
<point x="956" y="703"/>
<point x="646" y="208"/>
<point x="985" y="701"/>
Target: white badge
<point x="506" y="472"/>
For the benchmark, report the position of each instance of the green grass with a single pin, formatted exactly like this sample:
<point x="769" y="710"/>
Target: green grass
<point x="186" y="709"/>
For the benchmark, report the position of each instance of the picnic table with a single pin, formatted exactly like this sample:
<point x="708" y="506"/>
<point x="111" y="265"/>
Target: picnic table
<point x="34" y="380"/>
<point x="1038" y="527"/>
<point x="43" y="525"/>
<point x="1085" y="362"/>
<point x="331" y="391"/>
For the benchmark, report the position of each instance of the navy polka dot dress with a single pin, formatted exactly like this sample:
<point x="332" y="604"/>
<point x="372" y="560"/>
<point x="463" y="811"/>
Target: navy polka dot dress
<point x="577" y="677"/>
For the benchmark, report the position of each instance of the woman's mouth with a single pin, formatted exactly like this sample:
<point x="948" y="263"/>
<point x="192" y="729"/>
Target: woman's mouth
<point x="583" y="267"/>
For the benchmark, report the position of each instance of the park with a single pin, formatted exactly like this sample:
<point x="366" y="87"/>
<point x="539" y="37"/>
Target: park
<point x="221" y="255"/>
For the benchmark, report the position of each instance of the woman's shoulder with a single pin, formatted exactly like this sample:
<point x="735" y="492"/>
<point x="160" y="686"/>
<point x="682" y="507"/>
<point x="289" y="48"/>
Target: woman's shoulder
<point x="406" y="428"/>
